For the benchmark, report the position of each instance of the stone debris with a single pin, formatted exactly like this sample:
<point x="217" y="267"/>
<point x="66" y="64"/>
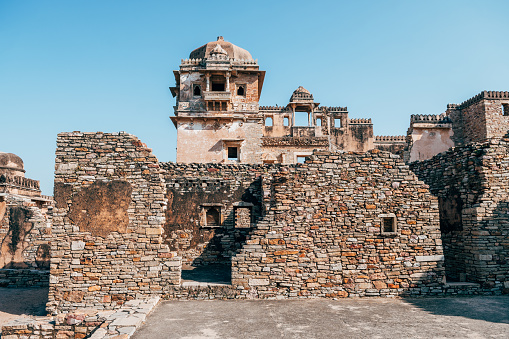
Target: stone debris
<point x="84" y="323"/>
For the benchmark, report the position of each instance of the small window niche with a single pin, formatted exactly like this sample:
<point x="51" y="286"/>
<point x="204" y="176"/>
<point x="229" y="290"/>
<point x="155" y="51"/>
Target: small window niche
<point x="269" y="122"/>
<point x="233" y="153"/>
<point x="319" y="122"/>
<point x="243" y="214"/>
<point x="211" y="215"/>
<point x="241" y="90"/>
<point x="196" y="90"/>
<point x="286" y="121"/>
<point x="337" y="123"/>
<point x="388" y="224"/>
<point x="505" y="110"/>
<point x="301" y="159"/>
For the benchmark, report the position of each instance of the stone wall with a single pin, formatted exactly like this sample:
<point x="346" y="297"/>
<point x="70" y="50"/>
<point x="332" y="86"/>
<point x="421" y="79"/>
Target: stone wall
<point x="231" y="189"/>
<point x="107" y="227"/>
<point x="207" y="140"/>
<point x="480" y="117"/>
<point x="19" y="278"/>
<point x="25" y="234"/>
<point x="472" y="184"/>
<point x="343" y="224"/>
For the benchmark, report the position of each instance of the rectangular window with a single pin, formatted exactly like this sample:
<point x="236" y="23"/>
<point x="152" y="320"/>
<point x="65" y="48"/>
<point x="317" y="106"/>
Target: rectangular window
<point x="505" y="109"/>
<point x="389" y="225"/>
<point x="211" y="215"/>
<point x="301" y="159"/>
<point x="233" y="153"/>
<point x="337" y="123"/>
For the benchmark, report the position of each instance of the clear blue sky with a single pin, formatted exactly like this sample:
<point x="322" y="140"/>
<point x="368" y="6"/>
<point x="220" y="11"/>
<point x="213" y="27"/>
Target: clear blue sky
<point x="107" y="65"/>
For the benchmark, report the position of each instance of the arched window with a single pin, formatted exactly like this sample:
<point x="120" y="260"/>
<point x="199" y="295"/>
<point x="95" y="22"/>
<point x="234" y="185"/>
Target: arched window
<point x="241" y="90"/>
<point x="268" y="121"/>
<point x="197" y="91"/>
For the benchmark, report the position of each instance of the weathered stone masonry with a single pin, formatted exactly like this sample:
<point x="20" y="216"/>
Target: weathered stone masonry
<point x="472" y="185"/>
<point x="323" y="233"/>
<point x="343" y="224"/>
<point x="107" y="226"/>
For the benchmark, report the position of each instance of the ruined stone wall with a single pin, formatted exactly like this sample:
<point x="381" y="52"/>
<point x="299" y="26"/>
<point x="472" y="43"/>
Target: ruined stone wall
<point x="234" y="190"/>
<point x="25" y="234"/>
<point x="356" y="136"/>
<point x="480" y="117"/>
<point x="107" y="227"/>
<point x="472" y="184"/>
<point x="326" y="231"/>
<point x="497" y="124"/>
<point x="395" y="144"/>
<point x="474" y="121"/>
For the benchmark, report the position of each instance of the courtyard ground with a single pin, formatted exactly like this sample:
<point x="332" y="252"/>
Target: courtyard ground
<point x="460" y="317"/>
<point x="17" y="301"/>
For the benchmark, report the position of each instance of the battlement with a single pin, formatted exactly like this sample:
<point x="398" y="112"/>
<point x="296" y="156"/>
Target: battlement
<point x="19" y="182"/>
<point x="336" y="109"/>
<point x="360" y="121"/>
<point x="191" y="62"/>
<point x="275" y="108"/>
<point x="492" y="95"/>
<point x="390" y="138"/>
<point x="430" y="118"/>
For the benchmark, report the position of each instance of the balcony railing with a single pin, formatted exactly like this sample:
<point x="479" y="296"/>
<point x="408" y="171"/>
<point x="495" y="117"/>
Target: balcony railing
<point x="217" y="96"/>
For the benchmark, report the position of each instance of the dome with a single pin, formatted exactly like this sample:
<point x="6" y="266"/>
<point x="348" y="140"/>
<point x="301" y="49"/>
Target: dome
<point x="301" y="94"/>
<point x="301" y="90"/>
<point x="233" y="52"/>
<point x="11" y="164"/>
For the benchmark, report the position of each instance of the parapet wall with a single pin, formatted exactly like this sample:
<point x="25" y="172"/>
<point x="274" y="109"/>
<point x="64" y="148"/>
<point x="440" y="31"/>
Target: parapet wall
<point x="471" y="183"/>
<point x="108" y="223"/>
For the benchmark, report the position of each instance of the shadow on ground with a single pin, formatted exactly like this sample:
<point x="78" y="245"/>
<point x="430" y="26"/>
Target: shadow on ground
<point x="207" y="274"/>
<point x="17" y="301"/>
<point x="491" y="309"/>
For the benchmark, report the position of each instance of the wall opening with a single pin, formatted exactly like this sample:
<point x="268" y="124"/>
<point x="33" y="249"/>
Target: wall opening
<point x="233" y="153"/>
<point x="268" y="122"/>
<point x="218" y="86"/>
<point x="286" y="121"/>
<point x="213" y="217"/>
<point x="301" y="159"/>
<point x="196" y="90"/>
<point x="337" y="123"/>
<point x="388" y="223"/>
<point x="301" y="119"/>
<point x="505" y="109"/>
<point x="241" y="90"/>
<point x="319" y="122"/>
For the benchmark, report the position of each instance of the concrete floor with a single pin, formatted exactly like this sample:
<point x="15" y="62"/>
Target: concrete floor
<point x="475" y="317"/>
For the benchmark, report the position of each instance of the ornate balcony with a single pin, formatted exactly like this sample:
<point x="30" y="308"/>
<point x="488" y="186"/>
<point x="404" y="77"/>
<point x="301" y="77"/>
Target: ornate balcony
<point x="217" y="96"/>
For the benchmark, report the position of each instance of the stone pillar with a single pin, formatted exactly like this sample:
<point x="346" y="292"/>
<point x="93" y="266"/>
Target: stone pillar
<point x="227" y="81"/>
<point x="207" y="77"/>
<point x="293" y="116"/>
<point x="312" y="117"/>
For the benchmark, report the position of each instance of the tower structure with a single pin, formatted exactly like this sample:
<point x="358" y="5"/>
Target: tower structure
<point x="219" y="120"/>
<point x="216" y="114"/>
